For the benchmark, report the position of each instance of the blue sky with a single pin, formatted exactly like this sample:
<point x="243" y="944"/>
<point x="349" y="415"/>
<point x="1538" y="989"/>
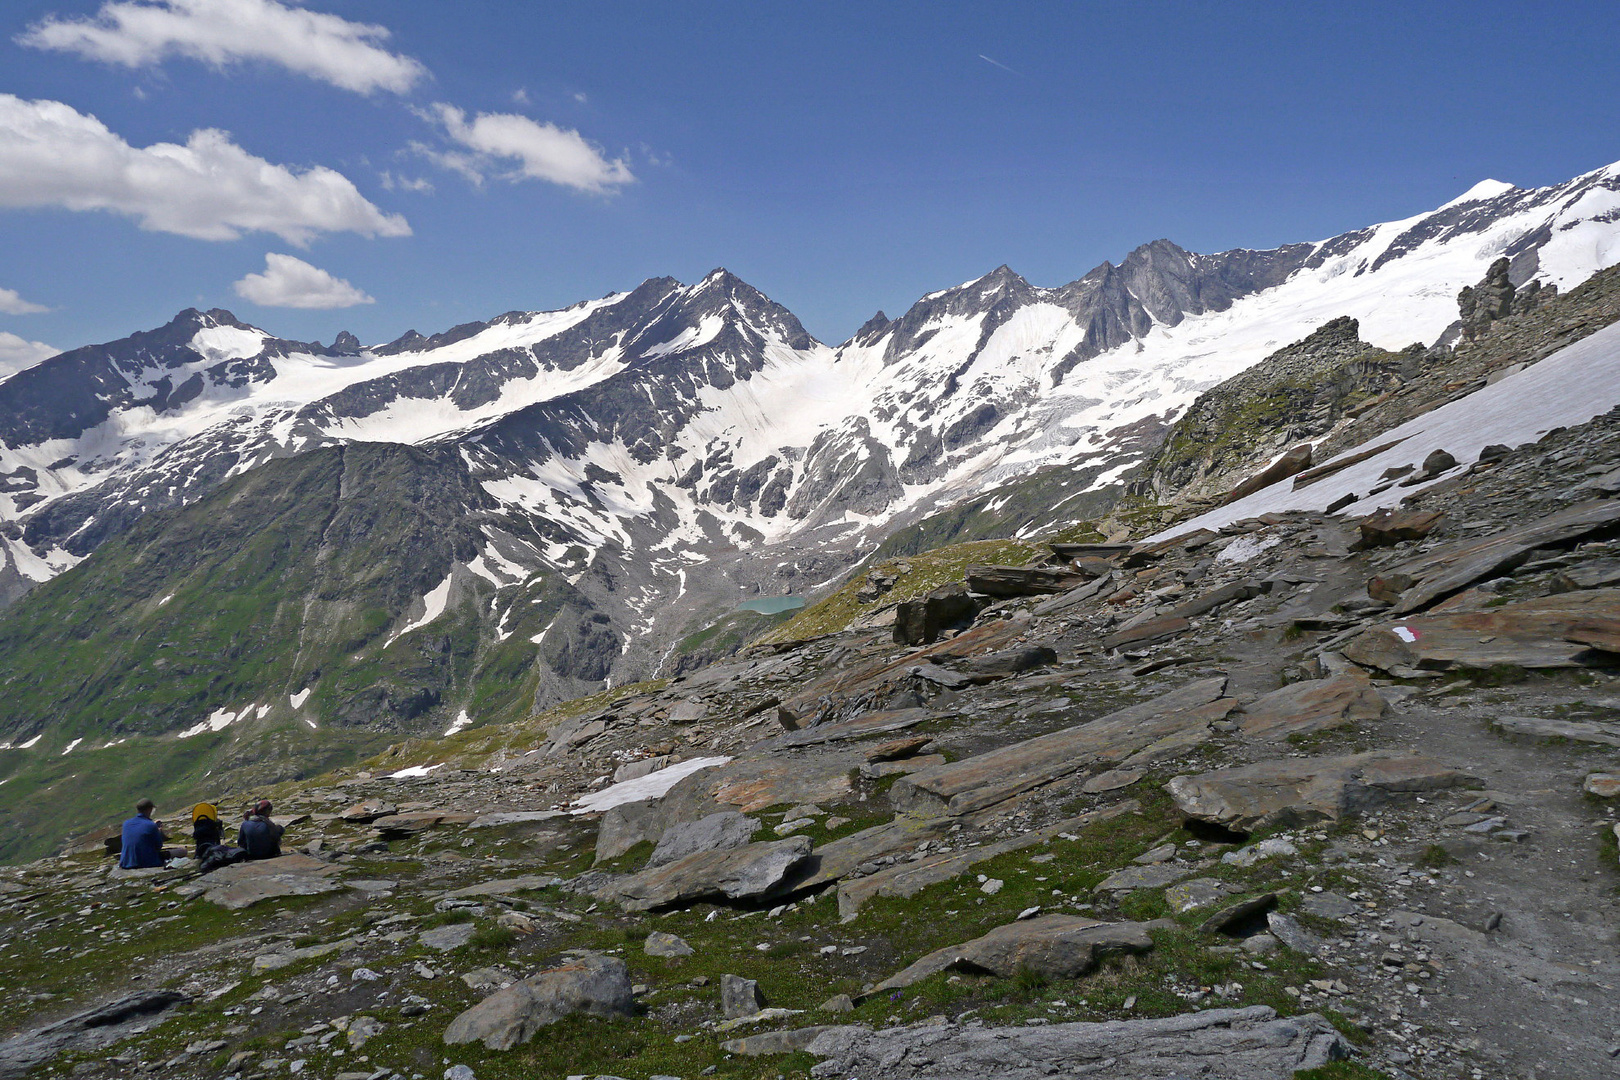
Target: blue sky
<point x="451" y="161"/>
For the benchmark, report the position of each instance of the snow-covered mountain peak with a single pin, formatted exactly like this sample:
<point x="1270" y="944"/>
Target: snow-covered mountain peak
<point x="674" y="426"/>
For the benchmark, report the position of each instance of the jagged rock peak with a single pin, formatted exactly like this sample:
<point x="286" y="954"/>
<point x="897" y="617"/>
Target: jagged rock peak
<point x="872" y="329"/>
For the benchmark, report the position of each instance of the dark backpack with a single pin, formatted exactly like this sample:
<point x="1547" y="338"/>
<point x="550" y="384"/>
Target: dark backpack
<point x="218" y="855"/>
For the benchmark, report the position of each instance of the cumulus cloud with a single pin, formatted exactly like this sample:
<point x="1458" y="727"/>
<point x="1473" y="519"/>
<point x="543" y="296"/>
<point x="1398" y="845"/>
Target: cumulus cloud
<point x="17" y="353"/>
<point x="515" y="147"/>
<point x="293" y="283"/>
<point x="13" y="304"/>
<point x="211" y="189"/>
<point x="141" y="33"/>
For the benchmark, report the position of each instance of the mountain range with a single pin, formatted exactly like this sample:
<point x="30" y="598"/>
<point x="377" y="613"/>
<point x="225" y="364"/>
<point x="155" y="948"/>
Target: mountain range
<point x="207" y="531"/>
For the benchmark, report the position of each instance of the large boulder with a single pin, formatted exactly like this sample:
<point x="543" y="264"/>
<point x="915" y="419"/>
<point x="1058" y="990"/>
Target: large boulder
<point x="717" y="832"/>
<point x="924" y="620"/>
<point x="1292" y="791"/>
<point x="595" y="985"/>
<point x="735" y="874"/>
<point x="1386" y="527"/>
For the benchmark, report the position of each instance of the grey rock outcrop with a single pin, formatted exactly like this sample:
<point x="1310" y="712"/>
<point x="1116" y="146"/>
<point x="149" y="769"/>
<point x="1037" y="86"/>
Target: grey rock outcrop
<point x="595" y="985"/>
<point x="716" y="832"/>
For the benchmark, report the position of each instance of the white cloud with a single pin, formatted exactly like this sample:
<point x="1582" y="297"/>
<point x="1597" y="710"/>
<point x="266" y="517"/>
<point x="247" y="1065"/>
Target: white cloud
<point x="293" y="283"/>
<point x="13" y="304"/>
<point x="518" y="148"/>
<point x="400" y="182"/>
<point x="211" y="189"/>
<point x="17" y="353"/>
<point x="141" y="33"/>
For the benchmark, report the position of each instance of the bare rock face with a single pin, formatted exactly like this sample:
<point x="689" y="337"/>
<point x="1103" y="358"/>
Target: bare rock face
<point x="736" y="874"/>
<point x="717" y="832"/>
<point x="1217" y="1044"/>
<point x="1297" y="790"/>
<point x="1056" y="946"/>
<point x="595" y="985"/>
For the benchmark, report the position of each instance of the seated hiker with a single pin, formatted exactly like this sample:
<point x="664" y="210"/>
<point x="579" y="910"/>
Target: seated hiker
<point x="142" y="840"/>
<point x="206" y="829"/>
<point x="259" y="836"/>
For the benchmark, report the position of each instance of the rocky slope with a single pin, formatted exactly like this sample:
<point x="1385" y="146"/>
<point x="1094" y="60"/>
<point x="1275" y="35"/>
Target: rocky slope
<point x="1289" y="794"/>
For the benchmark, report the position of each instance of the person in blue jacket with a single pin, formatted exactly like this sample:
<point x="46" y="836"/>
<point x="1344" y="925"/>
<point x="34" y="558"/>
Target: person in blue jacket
<point x="143" y="839"/>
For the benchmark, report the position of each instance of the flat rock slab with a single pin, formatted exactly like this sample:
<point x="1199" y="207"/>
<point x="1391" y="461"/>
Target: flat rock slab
<point x="1312" y="705"/>
<point x="506" y="886"/>
<point x="496" y="819"/>
<point x="1146" y="877"/>
<point x="447" y="938"/>
<point x="910" y="878"/>
<point x="876" y="723"/>
<point x="1195" y="895"/>
<point x="1056" y="946"/>
<point x="1217" y="1044"/>
<point x="242" y="885"/>
<point x="404" y="826"/>
<point x="753" y="783"/>
<point x="774" y="1042"/>
<point x="1146" y="633"/>
<point x="1586" y="731"/>
<point x="735" y="874"/>
<point x="989" y="778"/>
<point x="1453" y="567"/>
<point x="595" y="985"/>
<point x="1299" y="790"/>
<point x="1547" y="632"/>
<point x="838" y="858"/>
<point x="1329" y="905"/>
<point x="1010" y="581"/>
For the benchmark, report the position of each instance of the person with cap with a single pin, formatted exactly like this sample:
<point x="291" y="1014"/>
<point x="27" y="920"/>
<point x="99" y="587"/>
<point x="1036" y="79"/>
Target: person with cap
<point x="142" y="842"/>
<point x="259" y="836"/>
<point x="206" y="828"/>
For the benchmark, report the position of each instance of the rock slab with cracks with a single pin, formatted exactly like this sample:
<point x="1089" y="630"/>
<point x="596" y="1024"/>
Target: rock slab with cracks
<point x="1217" y="1044"/>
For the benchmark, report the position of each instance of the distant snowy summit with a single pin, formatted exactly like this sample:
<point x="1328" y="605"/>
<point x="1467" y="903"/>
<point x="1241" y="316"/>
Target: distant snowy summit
<point x="672" y="423"/>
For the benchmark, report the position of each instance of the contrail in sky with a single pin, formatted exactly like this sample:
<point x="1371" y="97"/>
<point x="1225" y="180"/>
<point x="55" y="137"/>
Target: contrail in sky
<point x="999" y="64"/>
